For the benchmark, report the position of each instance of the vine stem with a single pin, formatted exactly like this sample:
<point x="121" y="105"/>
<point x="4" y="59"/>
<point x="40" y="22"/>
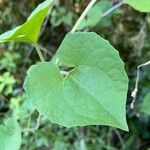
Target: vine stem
<point x="39" y="52"/>
<point x="26" y="130"/>
<point x="83" y="15"/>
<point x="112" y="9"/>
<point x="134" y="92"/>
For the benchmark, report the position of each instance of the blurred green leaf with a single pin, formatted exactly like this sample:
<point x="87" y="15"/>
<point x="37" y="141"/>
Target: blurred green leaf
<point x="25" y="109"/>
<point x="8" y="60"/>
<point x="94" y="15"/>
<point x="60" y="16"/>
<point x="21" y="106"/>
<point x="6" y="83"/>
<point x="10" y="135"/>
<point x="146" y="104"/>
<point x="141" y="5"/>
<point x="60" y="145"/>
<point x="29" y="31"/>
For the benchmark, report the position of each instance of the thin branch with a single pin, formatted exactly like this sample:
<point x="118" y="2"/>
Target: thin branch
<point x="87" y="10"/>
<point x="139" y="40"/>
<point x="45" y="50"/>
<point x="112" y="9"/>
<point x="119" y="137"/>
<point x="39" y="52"/>
<point x="38" y="123"/>
<point x="36" y="126"/>
<point x="83" y="15"/>
<point x="134" y="92"/>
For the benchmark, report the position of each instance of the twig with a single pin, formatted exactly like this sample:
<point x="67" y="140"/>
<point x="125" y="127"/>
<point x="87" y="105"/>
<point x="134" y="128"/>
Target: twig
<point x="87" y="10"/>
<point x="45" y="50"/>
<point x="119" y="137"/>
<point x="36" y="126"/>
<point x="83" y="15"/>
<point x="38" y="122"/>
<point x="134" y="92"/>
<point x="112" y="9"/>
<point x="39" y="52"/>
<point x="138" y="40"/>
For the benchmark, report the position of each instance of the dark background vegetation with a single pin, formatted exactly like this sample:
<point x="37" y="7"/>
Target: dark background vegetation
<point x="127" y="30"/>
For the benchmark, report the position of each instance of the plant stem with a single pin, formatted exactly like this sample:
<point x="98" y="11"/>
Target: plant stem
<point x="83" y="15"/>
<point x="134" y="92"/>
<point x="39" y="52"/>
<point x="112" y="9"/>
<point x="26" y="130"/>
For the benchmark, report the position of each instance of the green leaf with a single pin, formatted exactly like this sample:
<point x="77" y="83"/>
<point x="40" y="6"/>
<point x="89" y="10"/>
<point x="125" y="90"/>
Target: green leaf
<point x="25" y="109"/>
<point x="146" y="104"/>
<point x="10" y="135"/>
<point x="94" y="15"/>
<point x="141" y="5"/>
<point x="93" y="93"/>
<point x="6" y="83"/>
<point x="29" y="31"/>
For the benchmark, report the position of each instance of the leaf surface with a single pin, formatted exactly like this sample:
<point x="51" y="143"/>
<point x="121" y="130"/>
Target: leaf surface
<point x="146" y="104"/>
<point x="10" y="135"/>
<point x="141" y="5"/>
<point x="29" y="31"/>
<point x="93" y="93"/>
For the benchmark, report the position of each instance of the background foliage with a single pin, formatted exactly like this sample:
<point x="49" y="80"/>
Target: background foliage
<point x="126" y="29"/>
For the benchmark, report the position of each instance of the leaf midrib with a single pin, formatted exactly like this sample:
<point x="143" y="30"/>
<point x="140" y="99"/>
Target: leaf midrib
<point x="93" y="96"/>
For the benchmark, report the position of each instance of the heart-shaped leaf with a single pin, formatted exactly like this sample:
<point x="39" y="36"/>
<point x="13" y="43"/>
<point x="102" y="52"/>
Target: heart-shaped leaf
<point x="141" y="5"/>
<point x="10" y="135"/>
<point x="92" y="93"/>
<point x="29" y="31"/>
